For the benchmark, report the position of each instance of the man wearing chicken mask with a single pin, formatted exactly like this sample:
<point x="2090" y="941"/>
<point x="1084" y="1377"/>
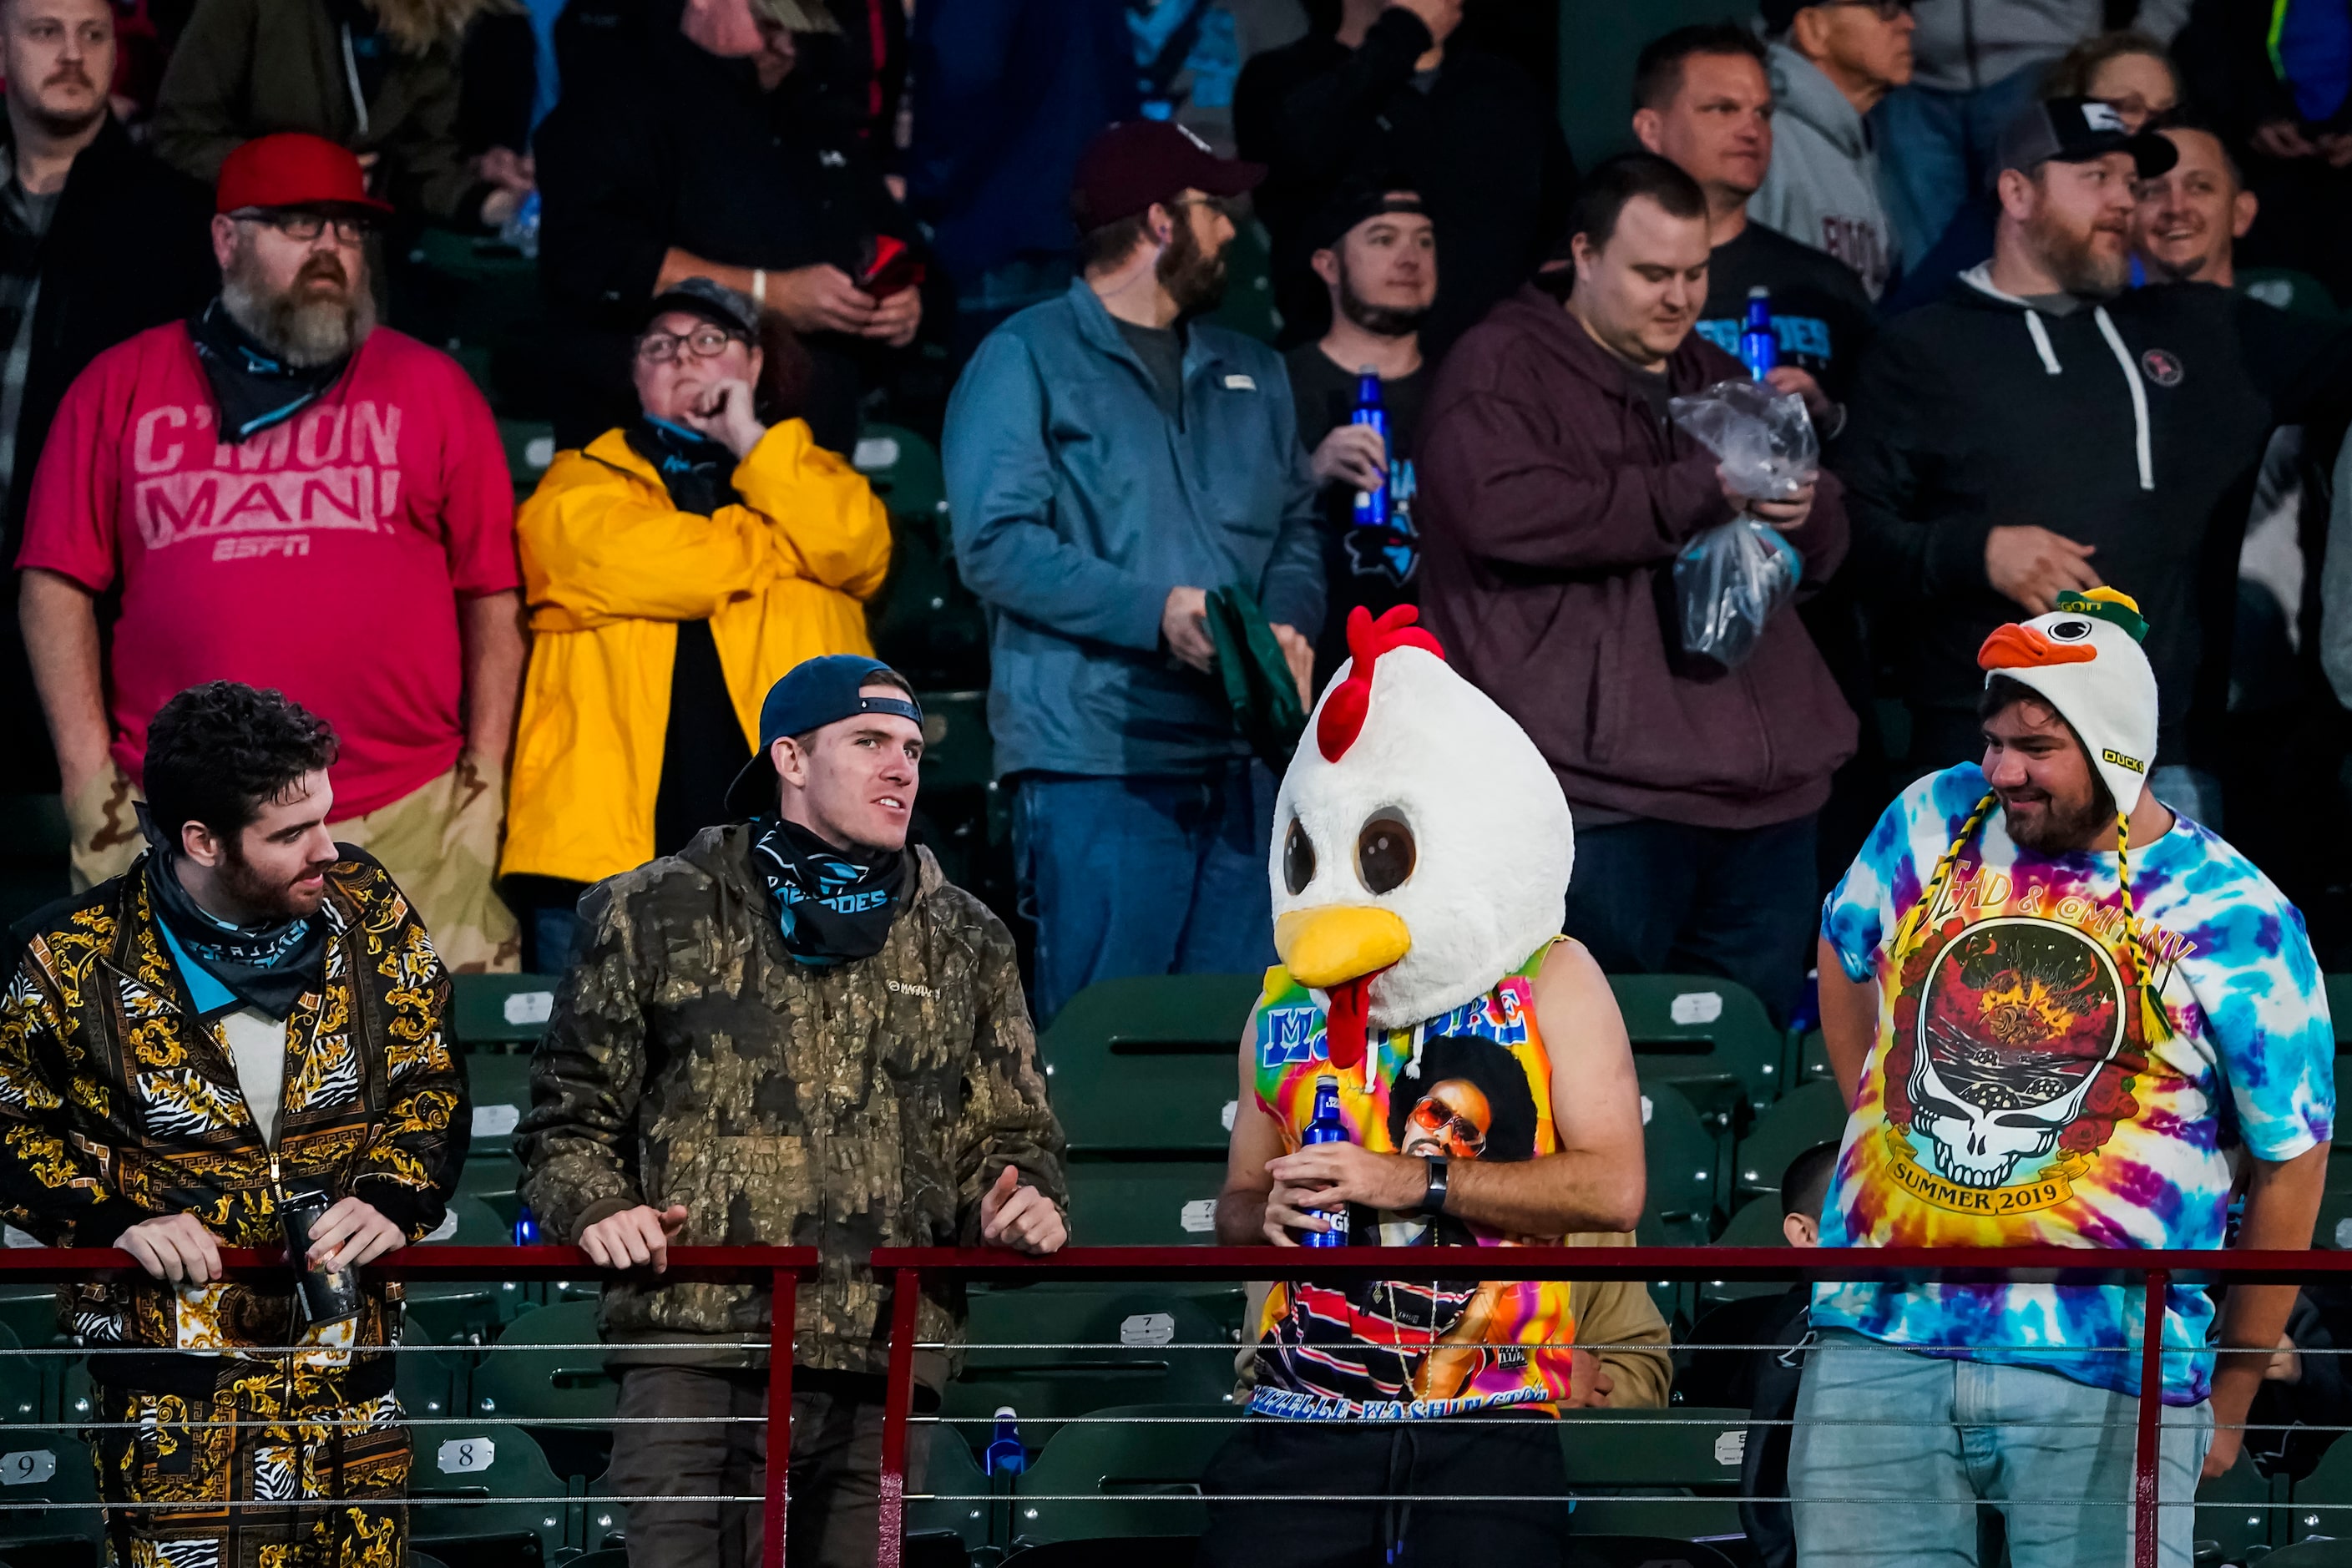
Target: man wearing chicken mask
<point x="1478" y="1067"/>
<point x="2039" y="987"/>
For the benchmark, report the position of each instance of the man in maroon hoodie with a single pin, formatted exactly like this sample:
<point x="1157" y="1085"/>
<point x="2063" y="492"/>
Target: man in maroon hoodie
<point x="1558" y="492"/>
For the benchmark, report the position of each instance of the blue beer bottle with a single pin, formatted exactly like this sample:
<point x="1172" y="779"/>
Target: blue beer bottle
<point x="1327" y="1128"/>
<point x="1759" y="345"/>
<point x="1372" y="505"/>
<point x="1006" y="1457"/>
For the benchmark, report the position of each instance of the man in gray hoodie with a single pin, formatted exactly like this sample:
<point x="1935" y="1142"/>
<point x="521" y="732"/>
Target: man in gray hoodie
<point x="1830" y="64"/>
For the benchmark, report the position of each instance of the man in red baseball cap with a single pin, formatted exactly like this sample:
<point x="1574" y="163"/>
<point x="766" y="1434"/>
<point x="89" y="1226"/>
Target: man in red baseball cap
<point x="287" y="495"/>
<point x="1110" y="457"/>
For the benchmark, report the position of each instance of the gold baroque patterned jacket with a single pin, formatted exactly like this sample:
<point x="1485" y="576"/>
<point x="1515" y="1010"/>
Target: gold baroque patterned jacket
<point x="118" y="1104"/>
<point x="692" y="1061"/>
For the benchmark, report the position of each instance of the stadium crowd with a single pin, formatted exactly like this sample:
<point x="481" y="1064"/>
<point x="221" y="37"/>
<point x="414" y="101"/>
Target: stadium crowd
<point x="332" y="716"/>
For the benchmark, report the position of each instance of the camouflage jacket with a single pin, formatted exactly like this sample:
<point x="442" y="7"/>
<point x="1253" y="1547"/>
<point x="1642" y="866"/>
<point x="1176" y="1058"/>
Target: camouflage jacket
<point x="117" y="1104"/>
<point x="692" y="1060"/>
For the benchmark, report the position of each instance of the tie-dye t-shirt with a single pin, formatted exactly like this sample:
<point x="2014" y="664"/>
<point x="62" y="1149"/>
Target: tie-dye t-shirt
<point x="2016" y="1096"/>
<point x="1473" y="1085"/>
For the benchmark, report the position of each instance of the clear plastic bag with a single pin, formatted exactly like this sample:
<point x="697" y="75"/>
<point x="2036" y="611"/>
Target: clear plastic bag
<point x="1763" y="439"/>
<point x="1729" y="581"/>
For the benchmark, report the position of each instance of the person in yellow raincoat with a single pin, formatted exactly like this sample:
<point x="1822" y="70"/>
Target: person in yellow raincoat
<point x="676" y="566"/>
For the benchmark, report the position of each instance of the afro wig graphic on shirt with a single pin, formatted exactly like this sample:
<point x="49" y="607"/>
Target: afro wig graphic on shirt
<point x="1470" y="1101"/>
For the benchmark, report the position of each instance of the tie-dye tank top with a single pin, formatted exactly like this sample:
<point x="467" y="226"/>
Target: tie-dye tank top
<point x="2054" y="1069"/>
<point x="1474" y="1084"/>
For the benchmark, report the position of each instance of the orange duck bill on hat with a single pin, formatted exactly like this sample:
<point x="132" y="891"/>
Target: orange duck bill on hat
<point x="2020" y="646"/>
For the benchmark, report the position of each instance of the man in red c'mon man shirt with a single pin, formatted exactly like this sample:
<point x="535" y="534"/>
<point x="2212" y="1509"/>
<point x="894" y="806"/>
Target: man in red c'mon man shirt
<point x="287" y="495"/>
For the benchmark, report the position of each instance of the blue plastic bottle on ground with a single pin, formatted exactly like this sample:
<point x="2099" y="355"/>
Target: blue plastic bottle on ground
<point x="1006" y="1457"/>
<point x="1327" y="1128"/>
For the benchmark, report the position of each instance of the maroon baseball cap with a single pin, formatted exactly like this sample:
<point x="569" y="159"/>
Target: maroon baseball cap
<point x="1138" y="162"/>
<point x="293" y="169"/>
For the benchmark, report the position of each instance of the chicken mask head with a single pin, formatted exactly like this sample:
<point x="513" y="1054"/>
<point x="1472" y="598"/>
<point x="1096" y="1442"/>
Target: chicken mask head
<point x="1422" y="846"/>
<point x="2083" y="658"/>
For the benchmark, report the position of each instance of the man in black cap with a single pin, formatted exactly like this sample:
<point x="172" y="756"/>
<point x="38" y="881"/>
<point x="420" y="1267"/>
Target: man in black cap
<point x="2042" y="429"/>
<point x="794" y="1030"/>
<point x="1376" y="253"/>
<point x="1110" y="459"/>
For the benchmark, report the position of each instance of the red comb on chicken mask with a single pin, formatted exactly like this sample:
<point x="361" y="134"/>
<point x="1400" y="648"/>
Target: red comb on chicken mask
<point x="1422" y="846"/>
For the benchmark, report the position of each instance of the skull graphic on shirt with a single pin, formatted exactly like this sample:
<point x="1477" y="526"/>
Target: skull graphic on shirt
<point x="2017" y="1019"/>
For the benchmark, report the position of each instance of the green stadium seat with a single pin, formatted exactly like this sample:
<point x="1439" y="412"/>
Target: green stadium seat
<point x="1248" y="306"/>
<point x="49" y="1467"/>
<point x="1141" y="1479"/>
<point x="499" y="1084"/>
<point x="25" y="1383"/>
<point x="1678" y="1469"/>
<point x="1681" y="1162"/>
<point x="957" y="1500"/>
<point x="1755" y="1224"/>
<point x="2334" y="1227"/>
<point x="430" y="1386"/>
<point x="1108" y="1336"/>
<point x="1812" y="1059"/>
<point x="2318" y="1551"/>
<point x="492" y="1180"/>
<point x="530" y="449"/>
<point x="1150" y="1062"/>
<point x="1707" y="1037"/>
<point x="2234" y="1511"/>
<point x="550" y="1393"/>
<point x="1810" y="1114"/>
<point x="924" y="622"/>
<point x="501" y="1009"/>
<point x="481" y="1499"/>
<point x="958" y="753"/>
<point x="2323" y="1500"/>
<point x="1144" y="1203"/>
<point x="466" y="1311"/>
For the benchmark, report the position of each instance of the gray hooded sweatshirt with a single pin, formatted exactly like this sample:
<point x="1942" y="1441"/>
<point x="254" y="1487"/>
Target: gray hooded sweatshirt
<point x="1823" y="187"/>
<point x="1964" y="45"/>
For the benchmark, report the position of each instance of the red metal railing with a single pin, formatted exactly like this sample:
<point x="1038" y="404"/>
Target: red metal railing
<point x="778" y="1268"/>
<point x="2152" y="1271"/>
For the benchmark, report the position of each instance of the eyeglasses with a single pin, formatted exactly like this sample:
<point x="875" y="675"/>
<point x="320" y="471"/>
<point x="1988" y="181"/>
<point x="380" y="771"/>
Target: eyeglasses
<point x="305" y="227"/>
<point x="703" y="342"/>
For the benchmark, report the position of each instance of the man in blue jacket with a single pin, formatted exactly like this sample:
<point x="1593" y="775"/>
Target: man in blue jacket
<point x="1110" y="460"/>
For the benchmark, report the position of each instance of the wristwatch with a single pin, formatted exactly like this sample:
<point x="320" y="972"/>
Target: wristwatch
<point x="1432" y="1202"/>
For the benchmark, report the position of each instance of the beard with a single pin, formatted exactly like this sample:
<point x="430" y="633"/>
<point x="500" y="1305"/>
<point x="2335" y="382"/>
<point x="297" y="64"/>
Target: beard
<point x="52" y="122"/>
<point x="2058" y="827"/>
<point x="2074" y="259"/>
<point x="305" y="327"/>
<point x="251" y="888"/>
<point x="1381" y="320"/>
<point x="1194" y="278"/>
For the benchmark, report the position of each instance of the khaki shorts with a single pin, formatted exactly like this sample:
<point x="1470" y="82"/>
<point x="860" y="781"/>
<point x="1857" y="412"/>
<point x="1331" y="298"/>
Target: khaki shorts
<point x="440" y="843"/>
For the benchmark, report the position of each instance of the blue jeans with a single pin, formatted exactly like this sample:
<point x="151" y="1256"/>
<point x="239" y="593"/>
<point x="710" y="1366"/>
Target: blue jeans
<point x="1936" y="151"/>
<point x="1664" y="897"/>
<point x="1144" y="876"/>
<point x="1912" y="1443"/>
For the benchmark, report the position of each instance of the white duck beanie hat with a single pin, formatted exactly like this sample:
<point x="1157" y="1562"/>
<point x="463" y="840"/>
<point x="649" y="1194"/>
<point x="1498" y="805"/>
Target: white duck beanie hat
<point x="2084" y="659"/>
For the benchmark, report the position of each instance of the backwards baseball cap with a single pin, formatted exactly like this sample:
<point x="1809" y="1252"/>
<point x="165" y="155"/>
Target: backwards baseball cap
<point x="715" y="302"/>
<point x="2083" y="658"/>
<point x="1138" y="162"/>
<point x="1354" y="202"/>
<point x="293" y="169"/>
<point x="2077" y="131"/>
<point x="811" y="694"/>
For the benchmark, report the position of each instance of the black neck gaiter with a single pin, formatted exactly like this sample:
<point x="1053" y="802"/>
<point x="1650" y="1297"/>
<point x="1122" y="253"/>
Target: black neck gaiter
<point x="834" y="906"/>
